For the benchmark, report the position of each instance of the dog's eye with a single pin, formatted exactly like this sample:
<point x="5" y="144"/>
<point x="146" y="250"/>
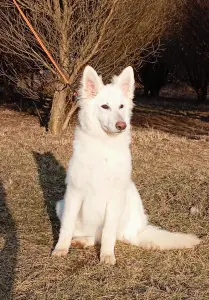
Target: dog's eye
<point x="105" y="106"/>
<point x="121" y="106"/>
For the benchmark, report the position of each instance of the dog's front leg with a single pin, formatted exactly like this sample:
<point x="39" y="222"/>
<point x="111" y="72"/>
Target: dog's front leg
<point x="108" y="240"/>
<point x="72" y="204"/>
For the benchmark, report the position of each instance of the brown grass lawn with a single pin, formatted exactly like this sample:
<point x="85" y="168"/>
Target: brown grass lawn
<point x="172" y="174"/>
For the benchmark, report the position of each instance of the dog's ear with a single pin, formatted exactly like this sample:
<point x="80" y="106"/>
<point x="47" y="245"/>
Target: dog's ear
<point x="125" y="81"/>
<point x="91" y="83"/>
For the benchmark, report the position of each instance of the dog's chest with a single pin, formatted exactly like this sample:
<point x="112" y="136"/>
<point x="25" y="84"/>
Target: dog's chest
<point x="110" y="170"/>
<point x="101" y="169"/>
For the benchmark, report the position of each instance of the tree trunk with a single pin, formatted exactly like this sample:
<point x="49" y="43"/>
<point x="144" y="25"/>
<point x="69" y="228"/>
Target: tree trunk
<point x="201" y="94"/>
<point x="7" y="92"/>
<point x="72" y="110"/>
<point x="58" y="110"/>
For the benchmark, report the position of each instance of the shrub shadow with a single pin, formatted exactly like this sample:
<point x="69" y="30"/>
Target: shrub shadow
<point x="8" y="249"/>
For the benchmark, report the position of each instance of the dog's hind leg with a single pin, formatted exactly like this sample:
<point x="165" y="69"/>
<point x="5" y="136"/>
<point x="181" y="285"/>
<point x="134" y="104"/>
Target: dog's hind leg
<point x="83" y="241"/>
<point x="133" y="218"/>
<point x="136" y="231"/>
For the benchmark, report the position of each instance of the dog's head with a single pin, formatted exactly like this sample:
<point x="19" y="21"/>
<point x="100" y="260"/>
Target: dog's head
<point x="106" y="107"/>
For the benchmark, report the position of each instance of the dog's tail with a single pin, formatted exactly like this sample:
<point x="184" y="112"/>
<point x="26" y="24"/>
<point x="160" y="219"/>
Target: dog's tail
<point x="156" y="238"/>
<point x="60" y="208"/>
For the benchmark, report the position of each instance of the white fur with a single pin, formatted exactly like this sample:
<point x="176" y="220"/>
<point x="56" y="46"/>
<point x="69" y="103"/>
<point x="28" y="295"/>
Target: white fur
<point x="101" y="203"/>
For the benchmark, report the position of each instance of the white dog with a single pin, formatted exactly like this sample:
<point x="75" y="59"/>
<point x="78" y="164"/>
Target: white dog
<point x="101" y="203"/>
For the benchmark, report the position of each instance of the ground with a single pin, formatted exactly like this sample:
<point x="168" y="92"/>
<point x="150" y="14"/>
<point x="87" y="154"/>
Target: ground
<point x="171" y="170"/>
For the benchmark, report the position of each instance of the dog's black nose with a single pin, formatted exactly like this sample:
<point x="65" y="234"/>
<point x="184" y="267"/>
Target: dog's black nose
<point x="120" y="125"/>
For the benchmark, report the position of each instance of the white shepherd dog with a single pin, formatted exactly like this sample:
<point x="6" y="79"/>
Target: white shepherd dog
<point x="101" y="203"/>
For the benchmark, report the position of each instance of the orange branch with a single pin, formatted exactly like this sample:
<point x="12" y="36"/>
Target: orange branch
<point x="40" y="42"/>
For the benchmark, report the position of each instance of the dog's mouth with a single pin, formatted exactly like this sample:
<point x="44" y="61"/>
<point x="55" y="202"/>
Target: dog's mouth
<point x="108" y="131"/>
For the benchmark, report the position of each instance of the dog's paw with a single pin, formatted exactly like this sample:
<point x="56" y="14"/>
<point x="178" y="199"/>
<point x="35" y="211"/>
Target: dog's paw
<point x="107" y="259"/>
<point x="59" y="252"/>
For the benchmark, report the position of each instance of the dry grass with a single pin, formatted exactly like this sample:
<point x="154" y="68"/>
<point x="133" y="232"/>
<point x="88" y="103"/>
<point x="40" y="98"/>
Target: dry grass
<point x="171" y="172"/>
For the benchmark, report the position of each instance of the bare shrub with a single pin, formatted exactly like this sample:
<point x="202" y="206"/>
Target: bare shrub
<point x="107" y="34"/>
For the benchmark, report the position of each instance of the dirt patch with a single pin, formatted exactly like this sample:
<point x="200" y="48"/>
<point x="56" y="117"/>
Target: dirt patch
<point x="171" y="172"/>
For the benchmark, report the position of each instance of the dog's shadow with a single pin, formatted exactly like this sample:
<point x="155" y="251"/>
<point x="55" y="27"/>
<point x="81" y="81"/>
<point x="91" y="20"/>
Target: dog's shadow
<point x="52" y="181"/>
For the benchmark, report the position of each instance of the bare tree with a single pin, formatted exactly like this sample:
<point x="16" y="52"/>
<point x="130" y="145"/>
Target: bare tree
<point x="107" y="34"/>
